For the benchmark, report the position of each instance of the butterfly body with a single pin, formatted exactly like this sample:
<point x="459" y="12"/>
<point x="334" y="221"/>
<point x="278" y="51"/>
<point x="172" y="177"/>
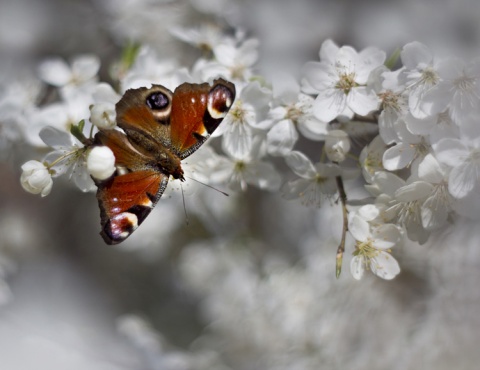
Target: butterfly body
<point x="160" y="128"/>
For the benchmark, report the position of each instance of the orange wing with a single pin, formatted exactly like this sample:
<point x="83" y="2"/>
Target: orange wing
<point x="126" y="200"/>
<point x="196" y="112"/>
<point x="127" y="197"/>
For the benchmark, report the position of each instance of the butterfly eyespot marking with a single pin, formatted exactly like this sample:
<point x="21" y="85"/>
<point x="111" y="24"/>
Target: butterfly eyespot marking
<point x="119" y="227"/>
<point x="220" y="99"/>
<point x="157" y="100"/>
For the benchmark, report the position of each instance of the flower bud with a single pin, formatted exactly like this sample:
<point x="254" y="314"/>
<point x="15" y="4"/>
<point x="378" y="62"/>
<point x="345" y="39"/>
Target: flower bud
<point x="337" y="145"/>
<point x="101" y="162"/>
<point x="103" y="115"/>
<point x="36" y="178"/>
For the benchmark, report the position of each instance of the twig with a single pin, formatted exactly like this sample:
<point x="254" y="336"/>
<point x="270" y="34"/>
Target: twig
<point x="341" y="247"/>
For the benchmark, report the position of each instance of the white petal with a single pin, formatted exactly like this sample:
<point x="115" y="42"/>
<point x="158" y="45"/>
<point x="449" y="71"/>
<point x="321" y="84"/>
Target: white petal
<point x="368" y="59"/>
<point x="285" y="88"/>
<point x="415" y="53"/>
<point x="346" y="59"/>
<point x="385" y="266"/>
<point x="55" y="72"/>
<point x="56" y="138"/>
<point x="295" y="189"/>
<point x="414" y="191"/>
<point x="328" y="51"/>
<point x="420" y="126"/>
<point x="85" y="67"/>
<point x="429" y="170"/>
<point x="329" y="104"/>
<point x="362" y="101"/>
<point x="398" y="156"/>
<point x="313" y="128"/>
<point x="82" y="178"/>
<point x="388" y="182"/>
<point x="460" y="181"/>
<point x="238" y="141"/>
<point x="62" y="166"/>
<point x="434" y="213"/>
<point x="301" y="165"/>
<point x="319" y="76"/>
<point x="386" y="236"/>
<point x="359" y="228"/>
<point x="369" y="212"/>
<point x="263" y="175"/>
<point x="451" y="152"/>
<point x="357" y="267"/>
<point x="105" y="93"/>
<point x="282" y="138"/>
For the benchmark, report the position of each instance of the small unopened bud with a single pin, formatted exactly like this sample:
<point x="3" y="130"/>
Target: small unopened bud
<point x="101" y="162"/>
<point x="36" y="178"/>
<point x="337" y="145"/>
<point x="103" y="115"/>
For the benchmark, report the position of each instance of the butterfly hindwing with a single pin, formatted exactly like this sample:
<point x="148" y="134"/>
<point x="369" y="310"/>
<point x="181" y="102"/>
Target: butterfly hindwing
<point x="126" y="200"/>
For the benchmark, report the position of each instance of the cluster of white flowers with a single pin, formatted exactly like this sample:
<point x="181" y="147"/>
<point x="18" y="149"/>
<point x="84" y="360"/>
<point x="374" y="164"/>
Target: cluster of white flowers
<point x="422" y="167"/>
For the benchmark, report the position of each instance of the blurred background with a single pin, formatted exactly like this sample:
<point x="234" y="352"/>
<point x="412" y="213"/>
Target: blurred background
<point x="250" y="282"/>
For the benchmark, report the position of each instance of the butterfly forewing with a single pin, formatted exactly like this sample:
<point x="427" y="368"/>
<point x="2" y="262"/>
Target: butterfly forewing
<point x="196" y="112"/>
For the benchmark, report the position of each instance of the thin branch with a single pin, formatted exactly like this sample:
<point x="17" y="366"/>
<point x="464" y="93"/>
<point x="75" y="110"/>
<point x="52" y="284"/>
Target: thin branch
<point x="341" y="247"/>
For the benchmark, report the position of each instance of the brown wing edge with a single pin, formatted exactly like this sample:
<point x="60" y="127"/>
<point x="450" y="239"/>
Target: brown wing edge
<point x="116" y="227"/>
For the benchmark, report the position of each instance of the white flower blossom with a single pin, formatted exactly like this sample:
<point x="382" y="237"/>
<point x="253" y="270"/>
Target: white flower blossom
<point x="394" y="105"/>
<point x="291" y="110"/>
<point x="36" y="178"/>
<point x="231" y="61"/>
<point x="438" y="205"/>
<point x="149" y="69"/>
<point x="340" y="81"/>
<point x="420" y="76"/>
<point x="102" y="112"/>
<point x="57" y="72"/>
<point x="68" y="157"/>
<point x="371" y="158"/>
<point x="458" y="90"/>
<point x="462" y="155"/>
<point x="243" y="120"/>
<point x="372" y="248"/>
<point x="240" y="171"/>
<point x="409" y="148"/>
<point x="316" y="183"/>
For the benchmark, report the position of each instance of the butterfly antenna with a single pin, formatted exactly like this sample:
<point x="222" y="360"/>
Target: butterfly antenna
<point x="208" y="186"/>
<point x="184" y="206"/>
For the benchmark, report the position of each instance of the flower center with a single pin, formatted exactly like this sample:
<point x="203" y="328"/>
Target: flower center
<point x="390" y="100"/>
<point x="239" y="166"/>
<point x="238" y="112"/>
<point x="429" y="76"/>
<point x="346" y="82"/>
<point x="238" y="72"/>
<point x="366" y="249"/>
<point x="293" y="113"/>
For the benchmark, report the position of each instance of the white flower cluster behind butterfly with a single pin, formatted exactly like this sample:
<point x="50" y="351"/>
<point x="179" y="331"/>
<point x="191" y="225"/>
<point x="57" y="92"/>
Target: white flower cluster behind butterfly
<point x="426" y="114"/>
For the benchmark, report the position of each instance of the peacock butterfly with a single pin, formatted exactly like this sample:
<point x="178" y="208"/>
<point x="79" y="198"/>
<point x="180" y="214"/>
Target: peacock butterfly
<point x="160" y="128"/>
